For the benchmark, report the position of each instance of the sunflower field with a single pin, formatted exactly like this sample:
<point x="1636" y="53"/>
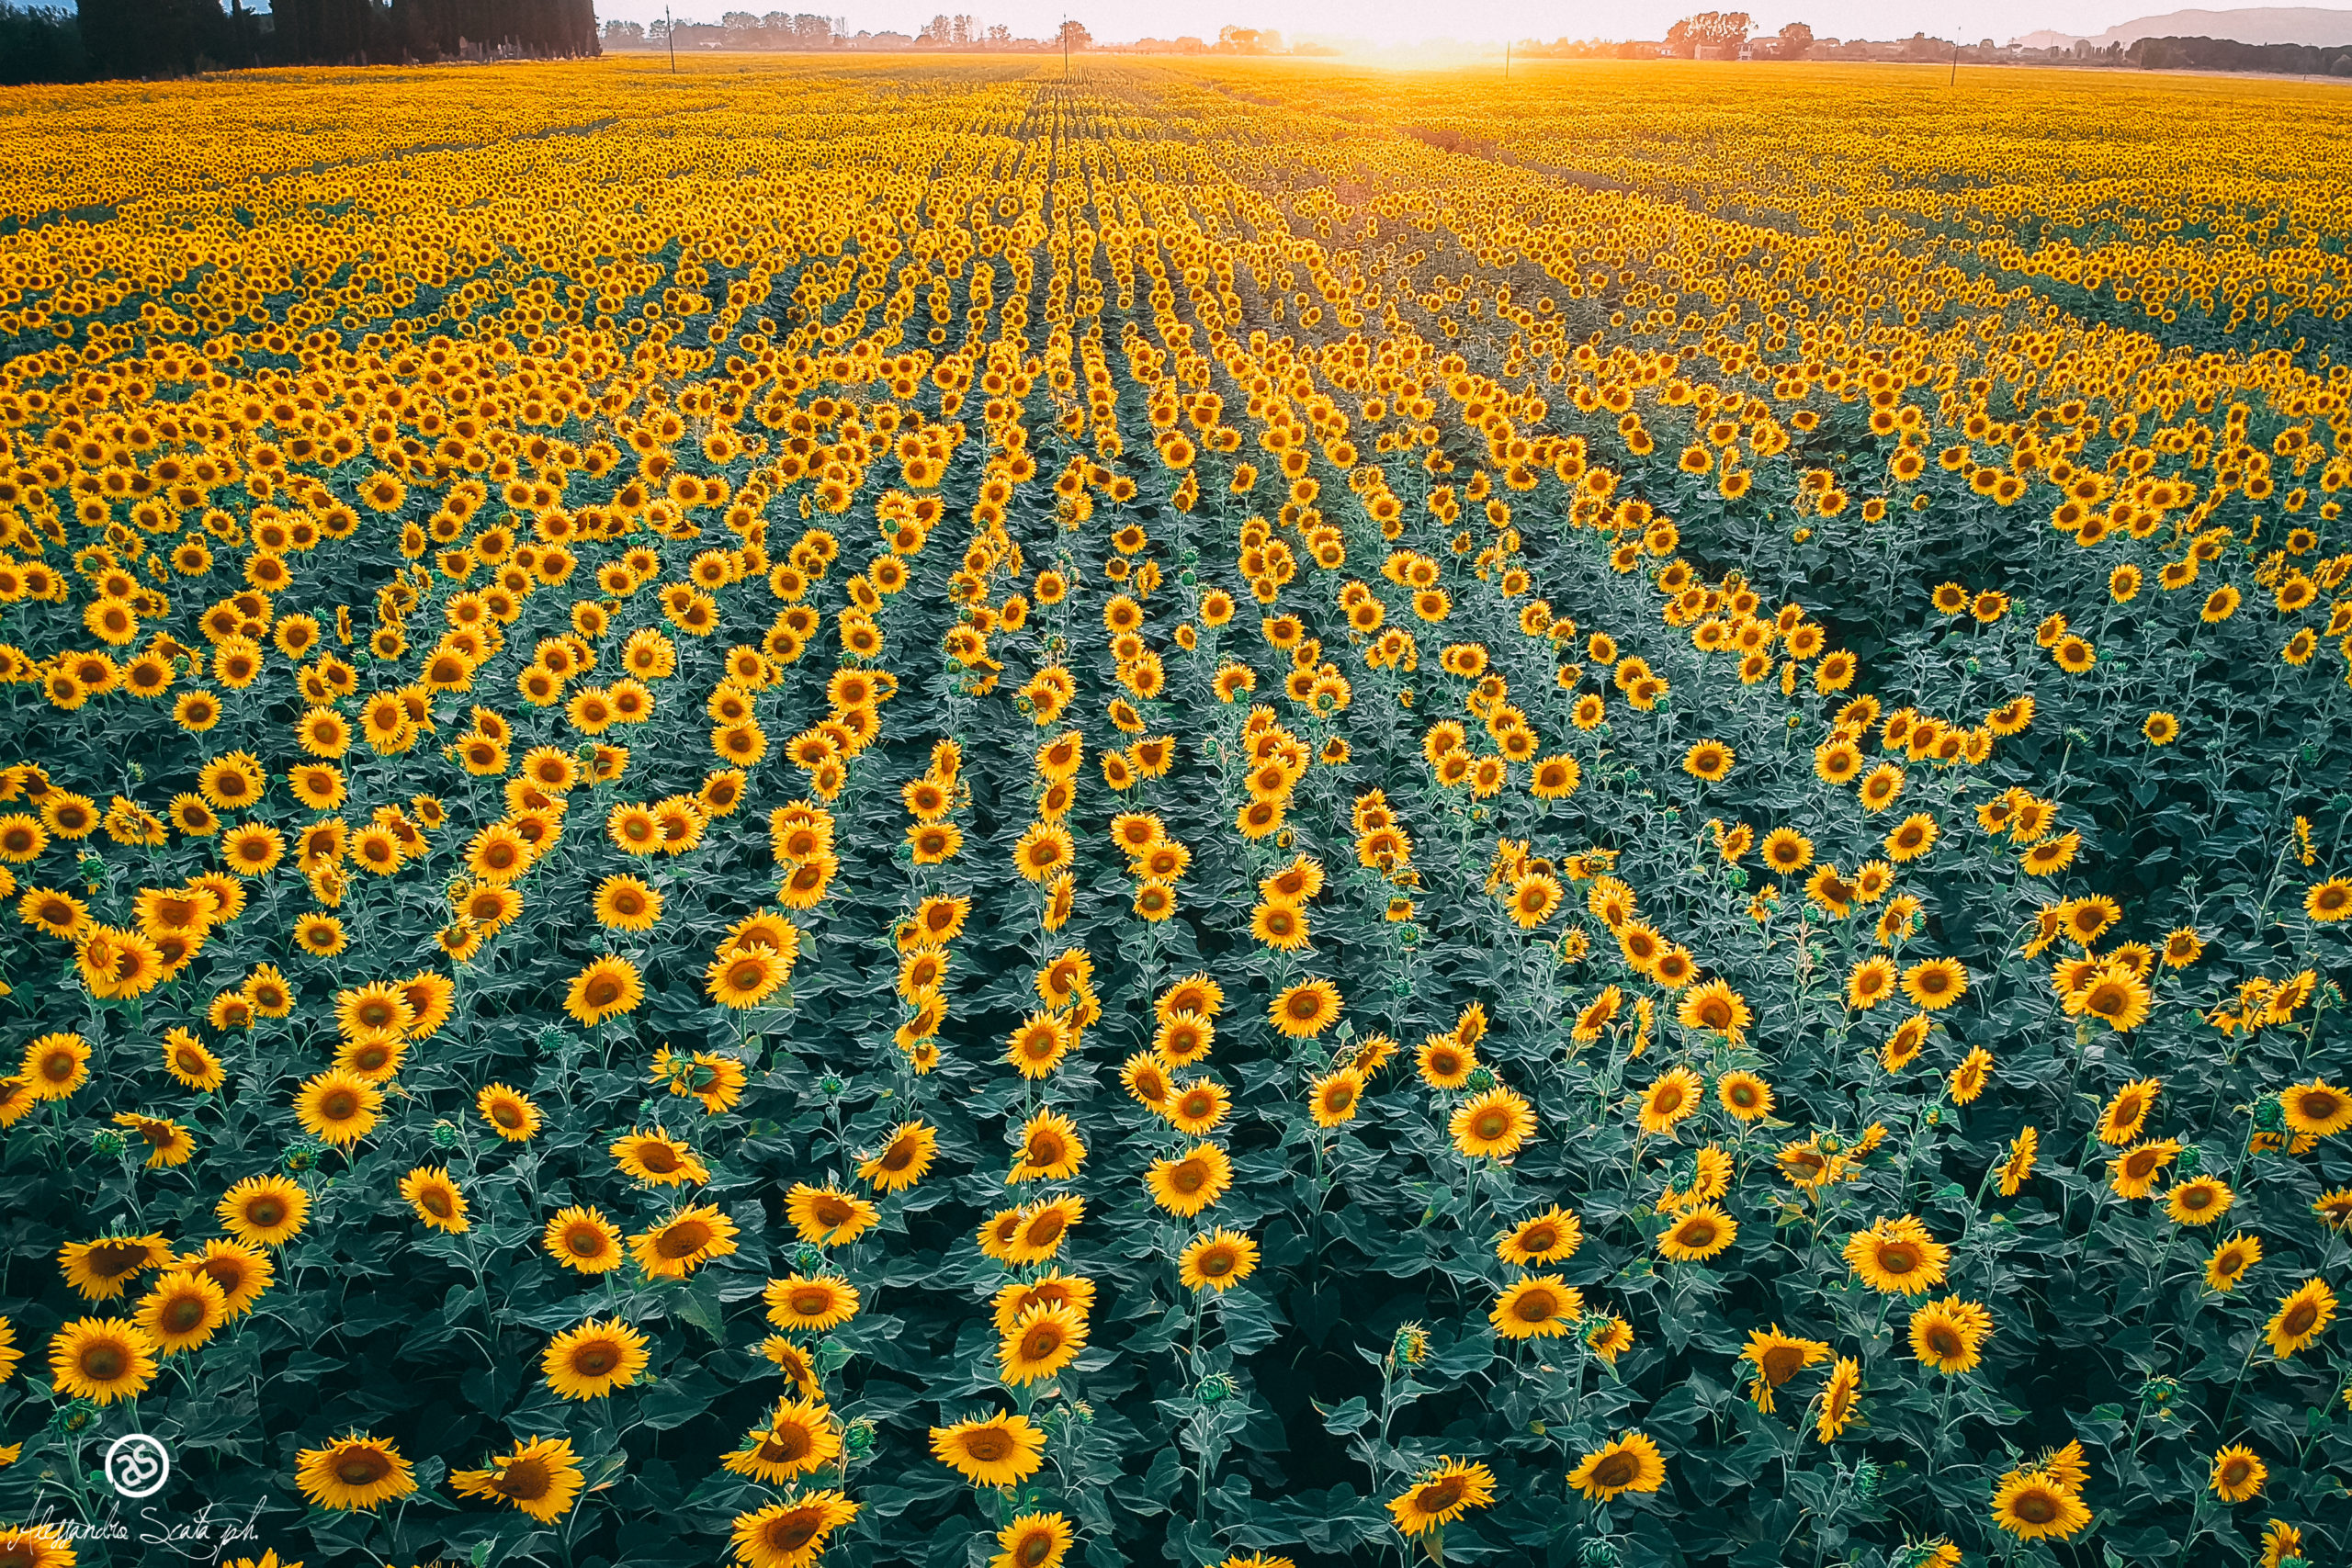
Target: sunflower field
<point x="1244" y="814"/>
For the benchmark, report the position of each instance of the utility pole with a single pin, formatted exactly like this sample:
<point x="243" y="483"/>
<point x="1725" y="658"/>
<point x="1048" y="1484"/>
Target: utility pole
<point x="1505" y="60"/>
<point x="1955" y="64"/>
<point x="670" y="30"/>
<point x="1065" y="49"/>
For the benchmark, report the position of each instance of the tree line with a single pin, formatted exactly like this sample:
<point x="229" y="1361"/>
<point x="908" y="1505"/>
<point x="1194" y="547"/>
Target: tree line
<point x="105" y="39"/>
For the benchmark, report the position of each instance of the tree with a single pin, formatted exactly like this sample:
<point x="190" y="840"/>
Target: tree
<point x="1795" y="43"/>
<point x="1073" y="35"/>
<point x="1000" y="36"/>
<point x="40" y="44"/>
<point x="1708" y="29"/>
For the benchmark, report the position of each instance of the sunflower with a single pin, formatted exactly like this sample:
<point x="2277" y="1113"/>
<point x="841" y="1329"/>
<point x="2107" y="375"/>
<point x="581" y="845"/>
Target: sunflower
<point x="1039" y="1043"/>
<point x="1051" y="1150"/>
<point x="1548" y="1237"/>
<point x="35" y="1546"/>
<point x="1441" y="1497"/>
<point x="2200" y="1200"/>
<point x="798" y="1436"/>
<point x="435" y="1197"/>
<point x="1778" y="1357"/>
<point x="1071" y="1291"/>
<point x="2232" y="1261"/>
<point x="810" y="1305"/>
<point x="2238" y="1474"/>
<point x="1445" y="1062"/>
<point x="1897" y="1257"/>
<point x="355" y="1472"/>
<point x="55" y="1066"/>
<point x="1871" y="984"/>
<point x="1674" y="1096"/>
<point x="1537" y="1307"/>
<point x="1032" y="1540"/>
<point x="2317" y="1108"/>
<point x="1630" y="1463"/>
<point x="251" y="849"/>
<point x="2134" y="1173"/>
<point x="1838" y="1399"/>
<point x="100" y="1269"/>
<point x="1698" y="1235"/>
<point x="1491" y="1126"/>
<point x="627" y="903"/>
<point x="1044" y="848"/>
<point x="2114" y="995"/>
<point x="791" y="1533"/>
<point x="1935" y="983"/>
<point x="2334" y="1208"/>
<point x="1606" y="1336"/>
<point x="607" y="987"/>
<point x="1715" y="1007"/>
<point x="321" y="936"/>
<point x="1042" y="1227"/>
<point x="338" y="1106"/>
<point x="1306" y="1009"/>
<point x="242" y="1273"/>
<point x="263" y="1211"/>
<point x="541" y="1477"/>
<point x="1046" y="1339"/>
<point x="2329" y="901"/>
<point x="657" y="1159"/>
<point x="1186" y="1185"/>
<point x="2302" y="1316"/>
<point x="795" y="1363"/>
<point x="825" y="1216"/>
<point x="1708" y="761"/>
<point x="1193" y="994"/>
<point x="509" y="1112"/>
<point x="1745" y="1095"/>
<point x="994" y="1451"/>
<point x="1787" y="850"/>
<point x="102" y="1359"/>
<point x="583" y="1240"/>
<point x="1196" y="1107"/>
<point x="590" y="1362"/>
<point x="1217" y="1261"/>
<point x="1949" y="1334"/>
<point x="903" y="1159"/>
<point x="2032" y="1506"/>
<point x="2128" y="1111"/>
<point x="684" y="1242"/>
<point x="1334" y="1097"/>
<point x="744" y="976"/>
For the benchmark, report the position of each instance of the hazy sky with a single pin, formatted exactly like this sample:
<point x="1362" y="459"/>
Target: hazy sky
<point x="1388" y="22"/>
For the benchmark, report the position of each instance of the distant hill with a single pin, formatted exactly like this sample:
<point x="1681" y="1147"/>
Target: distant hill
<point x="2264" y="24"/>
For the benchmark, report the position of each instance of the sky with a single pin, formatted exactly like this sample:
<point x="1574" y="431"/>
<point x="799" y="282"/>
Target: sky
<point x="1388" y="23"/>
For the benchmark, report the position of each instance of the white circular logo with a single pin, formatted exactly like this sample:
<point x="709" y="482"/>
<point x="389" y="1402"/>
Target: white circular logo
<point x="137" y="1465"/>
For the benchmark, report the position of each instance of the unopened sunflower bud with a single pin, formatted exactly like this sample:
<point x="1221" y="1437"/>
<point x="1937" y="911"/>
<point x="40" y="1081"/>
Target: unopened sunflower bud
<point x="107" y="1143"/>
